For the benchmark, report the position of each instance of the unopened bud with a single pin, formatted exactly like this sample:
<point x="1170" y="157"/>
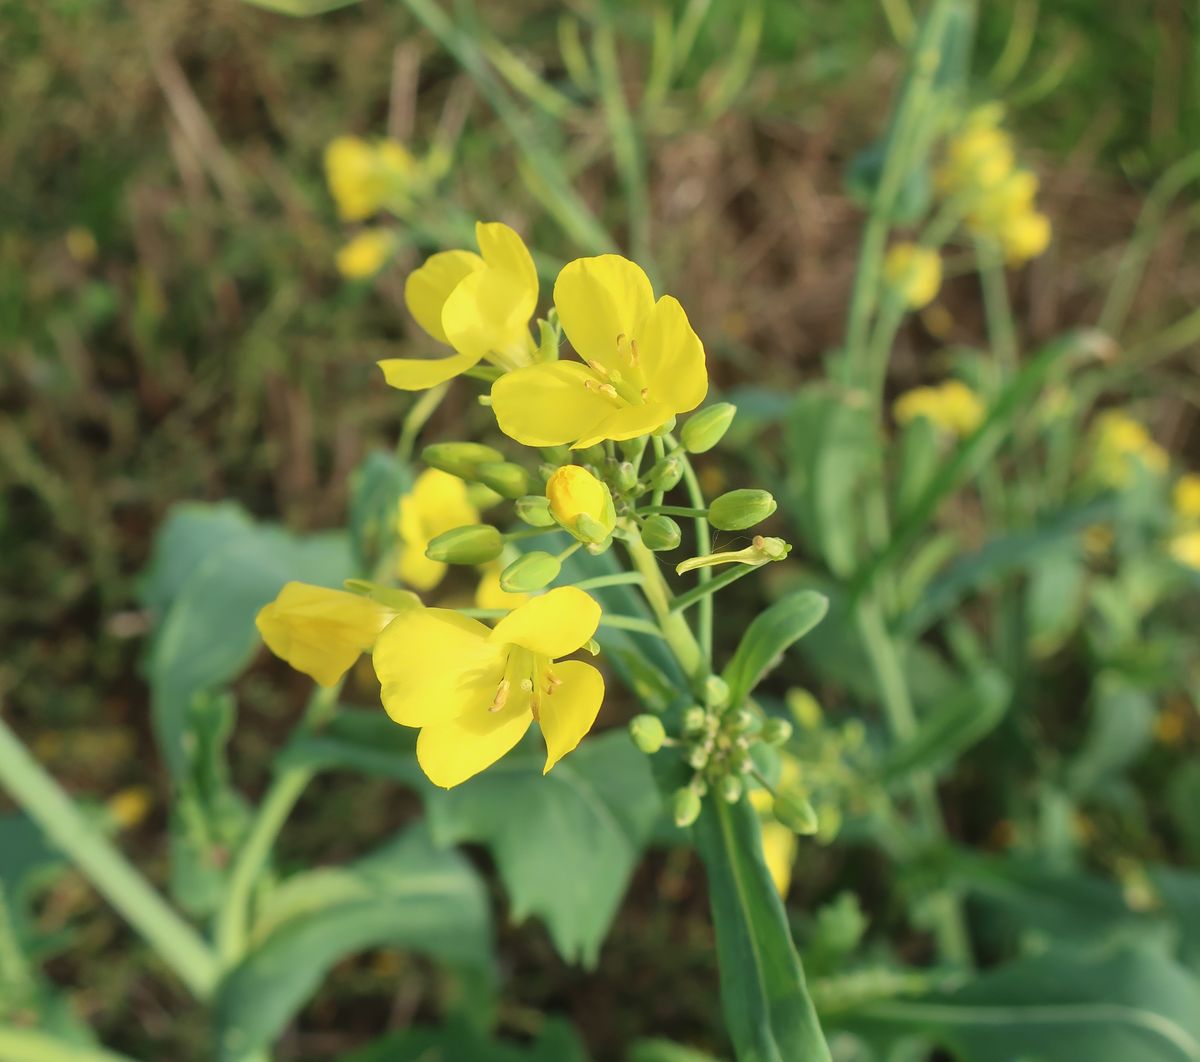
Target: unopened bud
<point x="705" y="429"/>
<point x="745" y="721"/>
<point x="737" y="510"/>
<point x="555" y="455"/>
<point x="694" y="720"/>
<point x="776" y="731"/>
<point x="648" y="733"/>
<point x="793" y="810"/>
<point x="665" y="428"/>
<point x="632" y="448"/>
<point x="697" y="756"/>
<point x="593" y="455"/>
<point x="661" y="533"/>
<point x="460" y="459"/>
<point x="716" y="692"/>
<point x="625" y="477"/>
<point x="730" y="789"/>
<point x="574" y="493"/>
<point x="666" y="474"/>
<point x="534" y="510"/>
<point x="472" y="544"/>
<point x="686" y="807"/>
<point x="505" y="478"/>
<point x="590" y="529"/>
<point x="530" y="572"/>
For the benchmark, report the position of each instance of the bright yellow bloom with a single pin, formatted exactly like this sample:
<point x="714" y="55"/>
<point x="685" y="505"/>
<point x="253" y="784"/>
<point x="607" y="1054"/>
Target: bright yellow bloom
<point x="575" y="494"/>
<point x="951" y="406"/>
<point x="1120" y="443"/>
<point x="490" y="594"/>
<point x="364" y="176"/>
<point x="1025" y="236"/>
<point x="1185" y="549"/>
<point x="479" y="304"/>
<point x="1186" y="497"/>
<point x="365" y="254"/>
<point x="321" y="631"/>
<point x="644" y="363"/>
<point x="915" y="272"/>
<point x="473" y="691"/>
<point x="437" y="503"/>
<point x="977" y="159"/>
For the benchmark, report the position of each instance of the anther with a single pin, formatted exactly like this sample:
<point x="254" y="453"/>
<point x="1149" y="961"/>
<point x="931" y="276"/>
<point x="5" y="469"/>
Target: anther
<point x="598" y="369"/>
<point x="633" y="351"/>
<point x="608" y="389"/>
<point x="645" y="393"/>
<point x="535" y="704"/>
<point x="501" y="696"/>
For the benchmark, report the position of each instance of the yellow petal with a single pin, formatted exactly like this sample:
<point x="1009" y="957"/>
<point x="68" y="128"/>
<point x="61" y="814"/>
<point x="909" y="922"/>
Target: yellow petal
<point x="435" y="666"/>
<point x="599" y="299"/>
<point x="437" y="502"/>
<point x="549" y="404"/>
<point x="626" y="423"/>
<point x="365" y="254"/>
<point x="350" y="172"/>
<point x="417" y="570"/>
<point x="567" y="714"/>
<point x="420" y="374"/>
<point x="553" y="624"/>
<point x="505" y="252"/>
<point x="779" y="852"/>
<point x="490" y="594"/>
<point x="487" y="313"/>
<point x="427" y="289"/>
<point x="672" y="357"/>
<point x="319" y="631"/>
<point x="450" y="753"/>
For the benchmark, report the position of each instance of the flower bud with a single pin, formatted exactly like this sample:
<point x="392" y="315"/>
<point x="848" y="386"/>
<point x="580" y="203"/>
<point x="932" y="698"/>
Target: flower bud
<point x="697" y="756"/>
<point x="793" y="810"/>
<point x="666" y="474"/>
<point x="716" y="692"/>
<point x="661" y="533"/>
<point x="665" y="428"/>
<point x="737" y="510"/>
<point x="555" y="455"/>
<point x="745" y="721"/>
<point x="531" y="571"/>
<point x="648" y="733"/>
<point x="686" y="807"/>
<point x="776" y="731"/>
<point x="625" y="477"/>
<point x="573" y="493"/>
<point x="730" y="789"/>
<point x="534" y="510"/>
<point x="804" y="708"/>
<point x="472" y="544"/>
<point x="505" y="478"/>
<point x="460" y="459"/>
<point x="705" y="429"/>
<point x="694" y="719"/>
<point x="593" y="455"/>
<point x="632" y="448"/>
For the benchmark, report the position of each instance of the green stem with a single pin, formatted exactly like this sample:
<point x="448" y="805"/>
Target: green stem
<point x="996" y="306"/>
<point x="673" y="510"/>
<point x="423" y="408"/>
<point x="706" y="589"/>
<point x="233" y="919"/>
<point x="704" y="622"/>
<point x="44" y="801"/>
<point x="674" y="627"/>
<point x="572" y="548"/>
<point x="598" y="582"/>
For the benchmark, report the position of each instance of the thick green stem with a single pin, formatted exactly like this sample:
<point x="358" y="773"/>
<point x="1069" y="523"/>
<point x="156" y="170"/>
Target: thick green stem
<point x="704" y="621"/>
<point x="44" y="801"/>
<point x="674" y="627"/>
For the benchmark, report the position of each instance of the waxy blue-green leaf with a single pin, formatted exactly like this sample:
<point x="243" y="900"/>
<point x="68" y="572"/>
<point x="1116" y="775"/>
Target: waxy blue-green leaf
<point x="769" y="635"/>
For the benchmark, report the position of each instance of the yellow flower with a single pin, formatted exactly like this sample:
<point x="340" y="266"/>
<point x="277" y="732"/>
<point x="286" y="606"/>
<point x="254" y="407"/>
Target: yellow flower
<point x="576" y="495"/>
<point x="977" y="159"/>
<point x="1185" y="549"/>
<point x="915" y="272"/>
<point x="130" y="806"/>
<point x="365" y="254"/>
<point x="479" y="304"/>
<point x="1120" y="443"/>
<point x="1186" y="497"/>
<point x="473" y="691"/>
<point x="437" y="503"/>
<point x="644" y="363"/>
<point x="1025" y="236"/>
<point x="490" y="594"/>
<point x="363" y="177"/>
<point x="319" y="631"/>
<point x="951" y="406"/>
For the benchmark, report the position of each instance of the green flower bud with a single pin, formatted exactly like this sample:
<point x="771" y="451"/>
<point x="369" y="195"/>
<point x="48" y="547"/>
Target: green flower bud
<point x="460" y="459"/>
<point x="745" y="721"/>
<point x="697" y="756"/>
<point x="705" y="429"/>
<point x="555" y="455"/>
<point x="737" y="510"/>
<point x="531" y="571"/>
<point x="694" y="720"/>
<point x="793" y="810"/>
<point x="666" y="474"/>
<point x="661" y="533"/>
<point x="716" y="692"/>
<point x="625" y="477"/>
<point x="632" y="448"/>
<point x="730" y="789"/>
<point x="686" y="807"/>
<point x="776" y="731"/>
<point x="804" y="708"/>
<point x="534" y="510"/>
<point x="593" y="455"/>
<point x="472" y="544"/>
<point x="648" y="733"/>
<point x="590" y="529"/>
<point x="665" y="428"/>
<point x="505" y="478"/>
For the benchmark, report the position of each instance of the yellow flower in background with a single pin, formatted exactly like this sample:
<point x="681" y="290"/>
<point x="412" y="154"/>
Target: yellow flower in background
<point x="363" y="176"/>
<point x="979" y="156"/>
<point x="437" y="503"/>
<point x="1025" y="236"/>
<point x="365" y="254"/>
<point x="915" y="272"/>
<point x="643" y="362"/>
<point x="479" y="304"/>
<point x="319" y="631"/>
<point x="490" y="594"/>
<point x="474" y="691"/>
<point x="1185" y="549"/>
<point x="1119" y="445"/>
<point x="130" y="806"/>
<point x="1185" y="498"/>
<point x="951" y="407"/>
<point x="779" y="844"/>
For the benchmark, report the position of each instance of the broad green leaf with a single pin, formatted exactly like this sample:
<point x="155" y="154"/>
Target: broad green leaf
<point x="557" y="1042"/>
<point x="769" y="635"/>
<point x="375" y="490"/>
<point x="1179" y="891"/>
<point x="565" y="843"/>
<point x="358" y="739"/>
<point x="951" y="727"/>
<point x="1183" y="798"/>
<point x="1120" y="729"/>
<point x="1061" y="1006"/>
<point x="666" y="1051"/>
<point x="407" y="894"/>
<point x="767" y="1008"/>
<point x="1055" y="596"/>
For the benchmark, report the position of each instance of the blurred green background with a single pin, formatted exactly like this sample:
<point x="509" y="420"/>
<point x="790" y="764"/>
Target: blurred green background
<point x="172" y="327"/>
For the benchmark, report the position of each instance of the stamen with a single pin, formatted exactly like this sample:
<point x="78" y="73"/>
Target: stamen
<point x="552" y="682"/>
<point x="598" y="369"/>
<point x="501" y="696"/>
<point x="535" y="705"/>
<point x="608" y="389"/>
<point x="591" y="385"/>
<point x="633" y="351"/>
<point x="645" y="393"/>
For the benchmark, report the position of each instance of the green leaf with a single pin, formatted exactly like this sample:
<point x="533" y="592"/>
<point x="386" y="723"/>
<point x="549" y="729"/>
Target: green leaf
<point x="951" y="727"/>
<point x="301" y="8"/>
<point x="666" y="1051"/>
<point x="32" y="1045"/>
<point x="768" y="1011"/>
<point x="375" y="490"/>
<point x="565" y="843"/>
<point x="1059" y="1007"/>
<point x="1183" y="798"/>
<point x="407" y="894"/>
<point x="358" y="739"/>
<point x="769" y="635"/>
<point x="557" y="1042"/>
<point x="1120" y="730"/>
